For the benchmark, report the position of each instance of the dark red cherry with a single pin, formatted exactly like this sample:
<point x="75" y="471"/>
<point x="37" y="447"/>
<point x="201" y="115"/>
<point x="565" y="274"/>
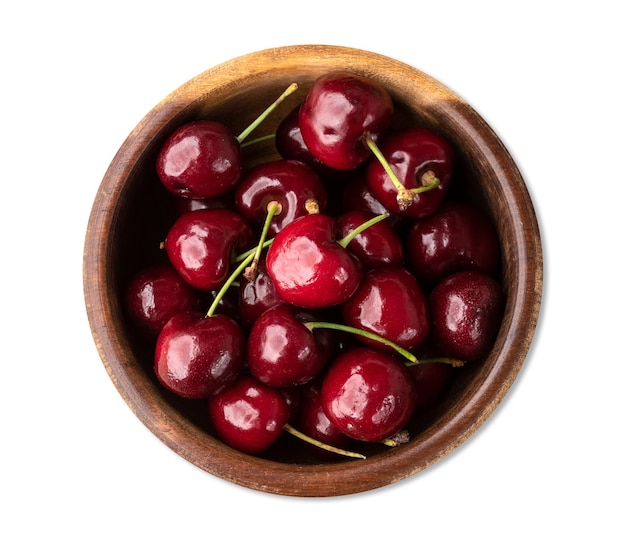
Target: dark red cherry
<point x="466" y="310"/>
<point x="201" y="245"/>
<point x="368" y="394"/>
<point x="184" y="205"/>
<point x="155" y="294"/>
<point x="291" y="183"/>
<point x="282" y="351"/>
<point x="309" y="267"/>
<point x="313" y="421"/>
<point x="417" y="156"/>
<point x="200" y="159"/>
<point x="248" y="415"/>
<point x="377" y="246"/>
<point x="338" y="110"/>
<point x="256" y="295"/>
<point x="432" y="379"/>
<point x="456" y="237"/>
<point x="196" y="356"/>
<point x="390" y="303"/>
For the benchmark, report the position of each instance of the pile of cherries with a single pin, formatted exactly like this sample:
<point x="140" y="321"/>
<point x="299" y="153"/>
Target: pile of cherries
<point x="328" y="293"/>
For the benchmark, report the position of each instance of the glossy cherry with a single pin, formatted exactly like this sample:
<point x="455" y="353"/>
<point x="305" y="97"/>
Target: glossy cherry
<point x="256" y="295"/>
<point x="196" y="356"/>
<point x="156" y="293"/>
<point x="313" y="421"/>
<point x="282" y="351"/>
<point x="377" y="246"/>
<point x="309" y="267"/>
<point x="456" y="237"/>
<point x="466" y="311"/>
<point x="293" y="184"/>
<point x="390" y="303"/>
<point x="420" y="159"/>
<point x="200" y="159"/>
<point x="368" y="394"/>
<point x="201" y="245"/>
<point x="249" y="415"/>
<point x="432" y="379"/>
<point x="338" y="111"/>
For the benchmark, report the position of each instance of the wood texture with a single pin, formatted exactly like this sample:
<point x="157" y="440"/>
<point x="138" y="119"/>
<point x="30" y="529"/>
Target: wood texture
<point x="130" y="216"/>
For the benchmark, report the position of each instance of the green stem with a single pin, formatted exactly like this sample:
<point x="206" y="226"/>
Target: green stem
<point x="346" y="240"/>
<point x="411" y="358"/>
<point x="247" y="253"/>
<point x="293" y="431"/>
<point x="233" y="276"/>
<point x="290" y="89"/>
<point x="273" y="208"/>
<point x="260" y="139"/>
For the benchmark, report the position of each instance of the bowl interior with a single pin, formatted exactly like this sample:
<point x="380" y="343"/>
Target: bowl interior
<point x="132" y="213"/>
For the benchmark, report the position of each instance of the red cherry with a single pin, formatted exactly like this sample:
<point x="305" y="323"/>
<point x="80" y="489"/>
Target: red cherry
<point x="196" y="356"/>
<point x="339" y="109"/>
<point x="417" y="156"/>
<point x="309" y="267"/>
<point x="466" y="309"/>
<point x="256" y="295"/>
<point x="456" y="237"/>
<point x="377" y="246"/>
<point x="282" y="351"/>
<point x="248" y="415"/>
<point x="313" y="421"/>
<point x="200" y="159"/>
<point x="155" y="294"/>
<point x="293" y="184"/>
<point x="201" y="245"/>
<point x="368" y="394"/>
<point x="390" y="303"/>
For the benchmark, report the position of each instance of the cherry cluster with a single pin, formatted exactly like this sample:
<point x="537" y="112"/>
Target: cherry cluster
<point x="329" y="292"/>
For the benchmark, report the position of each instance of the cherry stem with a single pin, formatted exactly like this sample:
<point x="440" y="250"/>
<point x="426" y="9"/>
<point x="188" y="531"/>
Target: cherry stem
<point x="247" y="253"/>
<point x="405" y="195"/>
<point x="273" y="208"/>
<point x="348" y="238"/>
<point x="229" y="281"/>
<point x="411" y="358"/>
<point x="289" y="90"/>
<point x="293" y="431"/>
<point x="260" y="139"/>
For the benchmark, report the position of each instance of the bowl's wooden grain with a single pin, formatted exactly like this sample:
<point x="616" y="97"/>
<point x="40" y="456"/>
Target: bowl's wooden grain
<point x="130" y="217"/>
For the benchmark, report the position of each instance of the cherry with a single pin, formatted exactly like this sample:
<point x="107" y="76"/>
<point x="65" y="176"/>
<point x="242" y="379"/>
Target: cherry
<point x="309" y="267"/>
<point x="291" y="183"/>
<point x="339" y="109"/>
<point x="256" y="295"/>
<point x="456" y="237"/>
<point x="156" y="293"/>
<point x="203" y="158"/>
<point x="197" y="356"/>
<point x="377" y="246"/>
<point x="368" y="394"/>
<point x="390" y="303"/>
<point x="413" y="171"/>
<point x="313" y="421"/>
<point x="432" y="378"/>
<point x="249" y="415"/>
<point x="201" y="245"/>
<point x="282" y="351"/>
<point x="466" y="310"/>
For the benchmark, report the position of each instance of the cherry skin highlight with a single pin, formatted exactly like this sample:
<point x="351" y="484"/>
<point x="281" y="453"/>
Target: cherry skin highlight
<point x="339" y="109"/>
<point x="197" y="356"/>
<point x="248" y="415"/>
<point x="390" y="303"/>
<point x="309" y="267"/>
<point x="368" y="394"/>
<point x="466" y="313"/>
<point x="201" y="244"/>
<point x="200" y="159"/>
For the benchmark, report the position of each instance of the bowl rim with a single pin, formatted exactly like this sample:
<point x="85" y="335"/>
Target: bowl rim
<point x="331" y="479"/>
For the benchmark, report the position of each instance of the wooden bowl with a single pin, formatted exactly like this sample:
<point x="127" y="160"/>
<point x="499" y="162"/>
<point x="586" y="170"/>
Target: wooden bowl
<point x="130" y="217"/>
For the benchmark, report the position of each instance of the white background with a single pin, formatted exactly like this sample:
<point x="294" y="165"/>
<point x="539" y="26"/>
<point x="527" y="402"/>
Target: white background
<point x="77" y="77"/>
